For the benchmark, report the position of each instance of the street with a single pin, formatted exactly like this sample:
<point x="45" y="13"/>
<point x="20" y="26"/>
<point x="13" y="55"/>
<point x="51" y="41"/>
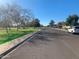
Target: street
<point x="48" y="44"/>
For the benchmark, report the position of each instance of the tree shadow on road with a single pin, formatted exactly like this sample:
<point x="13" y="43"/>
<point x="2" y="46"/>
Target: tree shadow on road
<point x="40" y="38"/>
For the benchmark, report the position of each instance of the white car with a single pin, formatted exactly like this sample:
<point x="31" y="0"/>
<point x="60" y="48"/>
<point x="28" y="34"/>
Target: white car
<point x="74" y="29"/>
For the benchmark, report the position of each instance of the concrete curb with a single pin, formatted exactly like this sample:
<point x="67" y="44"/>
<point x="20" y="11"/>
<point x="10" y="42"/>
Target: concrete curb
<point x="9" y="50"/>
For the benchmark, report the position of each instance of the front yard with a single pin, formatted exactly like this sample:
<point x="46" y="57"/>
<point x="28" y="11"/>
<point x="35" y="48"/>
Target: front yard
<point x="13" y="34"/>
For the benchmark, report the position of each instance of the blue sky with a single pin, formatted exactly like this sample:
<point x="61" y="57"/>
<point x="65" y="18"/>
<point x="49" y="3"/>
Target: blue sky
<point x="45" y="10"/>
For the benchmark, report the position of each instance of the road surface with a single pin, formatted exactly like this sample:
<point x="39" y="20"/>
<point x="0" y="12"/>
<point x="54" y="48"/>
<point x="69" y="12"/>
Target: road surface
<point x="48" y="44"/>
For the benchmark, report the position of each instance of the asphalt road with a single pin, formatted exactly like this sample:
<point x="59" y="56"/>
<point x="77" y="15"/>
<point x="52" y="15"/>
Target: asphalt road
<point x="48" y="44"/>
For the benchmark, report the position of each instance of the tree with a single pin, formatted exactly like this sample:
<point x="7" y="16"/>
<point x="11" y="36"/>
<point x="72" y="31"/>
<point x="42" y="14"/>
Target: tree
<point x="5" y="17"/>
<point x="61" y="24"/>
<point x="72" y="20"/>
<point x="51" y="24"/>
<point x="26" y="17"/>
<point x="35" y="23"/>
<point x="13" y="14"/>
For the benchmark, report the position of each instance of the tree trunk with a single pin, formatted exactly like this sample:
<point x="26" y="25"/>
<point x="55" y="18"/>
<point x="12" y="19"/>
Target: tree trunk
<point x="7" y="29"/>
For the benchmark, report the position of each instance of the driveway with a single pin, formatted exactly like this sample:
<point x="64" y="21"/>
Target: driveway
<point x="48" y="44"/>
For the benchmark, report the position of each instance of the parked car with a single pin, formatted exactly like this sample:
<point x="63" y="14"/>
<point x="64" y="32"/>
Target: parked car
<point x="74" y="29"/>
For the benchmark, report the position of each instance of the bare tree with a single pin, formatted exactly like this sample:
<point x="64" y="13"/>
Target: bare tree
<point x="5" y="17"/>
<point x="13" y="14"/>
<point x="27" y="16"/>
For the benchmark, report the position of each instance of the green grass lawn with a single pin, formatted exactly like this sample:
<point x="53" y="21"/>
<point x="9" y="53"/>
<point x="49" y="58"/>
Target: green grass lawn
<point x="13" y="34"/>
